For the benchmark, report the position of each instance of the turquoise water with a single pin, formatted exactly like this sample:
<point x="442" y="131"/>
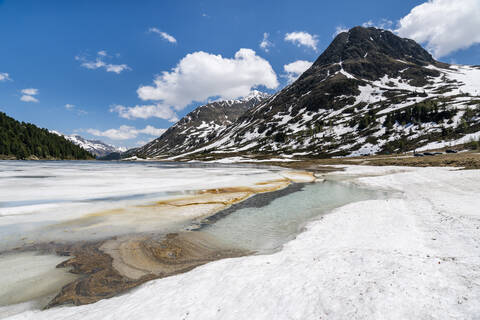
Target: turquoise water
<point x="265" y="222"/>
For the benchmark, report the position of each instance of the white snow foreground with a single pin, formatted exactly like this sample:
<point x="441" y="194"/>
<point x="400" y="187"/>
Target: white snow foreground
<point x="413" y="256"/>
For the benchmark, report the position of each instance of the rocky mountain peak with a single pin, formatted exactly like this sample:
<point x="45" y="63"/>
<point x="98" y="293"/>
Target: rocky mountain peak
<point x="369" y="92"/>
<point x="359" y="43"/>
<point x="201" y="126"/>
<point x="370" y="54"/>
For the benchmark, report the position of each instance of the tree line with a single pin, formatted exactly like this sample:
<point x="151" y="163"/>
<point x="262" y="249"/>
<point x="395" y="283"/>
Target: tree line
<point x="23" y="140"/>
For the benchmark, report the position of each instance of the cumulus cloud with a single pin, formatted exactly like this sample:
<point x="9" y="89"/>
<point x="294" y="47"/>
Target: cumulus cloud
<point x="265" y="44"/>
<point x="302" y="38"/>
<point x="69" y="106"/>
<point x="126" y="132"/>
<point x="145" y="112"/>
<point x="443" y="25"/>
<point x="295" y="69"/>
<point x="99" y="62"/>
<point x="201" y="75"/>
<point x="27" y="98"/>
<point x="339" y="29"/>
<point x="152" y="131"/>
<point x="28" y="95"/>
<point x="4" y="76"/>
<point x="382" y="24"/>
<point x="164" y="35"/>
<point x="141" y="143"/>
<point x="30" y="91"/>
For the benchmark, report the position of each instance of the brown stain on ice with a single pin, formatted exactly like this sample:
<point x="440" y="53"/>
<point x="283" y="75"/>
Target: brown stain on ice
<point x="117" y="265"/>
<point x="138" y="257"/>
<point x="113" y="266"/>
<point x="221" y="196"/>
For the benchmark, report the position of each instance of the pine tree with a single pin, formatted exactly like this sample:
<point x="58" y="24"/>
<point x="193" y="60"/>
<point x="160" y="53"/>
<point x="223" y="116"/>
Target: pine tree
<point x="22" y="140"/>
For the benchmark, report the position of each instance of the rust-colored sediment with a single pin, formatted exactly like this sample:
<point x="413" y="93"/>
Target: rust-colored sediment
<point x="99" y="279"/>
<point x="138" y="257"/>
<point x="114" y="266"/>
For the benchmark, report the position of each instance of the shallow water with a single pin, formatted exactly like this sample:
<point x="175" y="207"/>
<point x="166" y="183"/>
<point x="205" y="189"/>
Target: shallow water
<point x="32" y="277"/>
<point x="265" y="222"/>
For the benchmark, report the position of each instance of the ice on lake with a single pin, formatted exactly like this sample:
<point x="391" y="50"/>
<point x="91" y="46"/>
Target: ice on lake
<point x="68" y="201"/>
<point x="48" y="201"/>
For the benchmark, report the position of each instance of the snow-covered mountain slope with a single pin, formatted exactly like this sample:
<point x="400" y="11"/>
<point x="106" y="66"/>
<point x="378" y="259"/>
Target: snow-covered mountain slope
<point x="200" y="126"/>
<point x="369" y="92"/>
<point x="95" y="147"/>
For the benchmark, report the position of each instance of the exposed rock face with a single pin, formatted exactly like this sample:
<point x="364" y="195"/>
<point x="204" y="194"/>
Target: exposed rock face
<point x="356" y="43"/>
<point x="200" y="126"/>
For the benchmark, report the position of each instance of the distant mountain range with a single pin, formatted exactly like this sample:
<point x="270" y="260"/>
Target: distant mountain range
<point x="370" y="92"/>
<point x="95" y="147"/>
<point x="20" y="140"/>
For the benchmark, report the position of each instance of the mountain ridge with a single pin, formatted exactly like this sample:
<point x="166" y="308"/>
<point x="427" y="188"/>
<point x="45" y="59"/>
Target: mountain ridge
<point x="369" y="92"/>
<point x="95" y="147"/>
<point x="200" y="126"/>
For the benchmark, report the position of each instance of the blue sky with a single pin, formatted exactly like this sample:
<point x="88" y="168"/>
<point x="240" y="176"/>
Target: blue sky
<point x="88" y="59"/>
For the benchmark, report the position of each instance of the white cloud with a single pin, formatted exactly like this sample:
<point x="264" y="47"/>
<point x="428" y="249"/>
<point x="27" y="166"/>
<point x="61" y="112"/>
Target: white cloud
<point x="295" y="69"/>
<point x="30" y="91"/>
<point x="141" y="143"/>
<point x="145" y="112"/>
<point x="444" y="25"/>
<point x="126" y="132"/>
<point x="69" y="106"/>
<point x="382" y="24"/>
<point x="339" y="29"/>
<point x="28" y="95"/>
<point x="27" y="98"/>
<point x="4" y="76"/>
<point x="164" y="35"/>
<point x="117" y="68"/>
<point x="99" y="62"/>
<point x="201" y="75"/>
<point x="265" y="44"/>
<point x="152" y="131"/>
<point x="302" y="38"/>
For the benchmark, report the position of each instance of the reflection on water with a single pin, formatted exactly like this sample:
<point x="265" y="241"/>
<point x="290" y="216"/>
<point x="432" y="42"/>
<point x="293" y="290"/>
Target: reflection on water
<point x="264" y="223"/>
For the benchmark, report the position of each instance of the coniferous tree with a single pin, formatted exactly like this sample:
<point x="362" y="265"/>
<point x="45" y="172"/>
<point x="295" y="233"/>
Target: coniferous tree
<point x="23" y="140"/>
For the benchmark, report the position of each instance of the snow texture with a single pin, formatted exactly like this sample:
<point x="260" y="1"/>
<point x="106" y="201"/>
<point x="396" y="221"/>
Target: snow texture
<point x="412" y="256"/>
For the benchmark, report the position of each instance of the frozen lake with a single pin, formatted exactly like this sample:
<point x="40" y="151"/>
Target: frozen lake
<point x="50" y="201"/>
<point x="244" y="207"/>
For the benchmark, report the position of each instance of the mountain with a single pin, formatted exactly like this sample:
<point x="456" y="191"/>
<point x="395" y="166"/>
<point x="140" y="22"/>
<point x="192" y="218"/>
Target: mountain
<point x="370" y="92"/>
<point x="20" y="140"/>
<point x="95" y="147"/>
<point x="112" y="156"/>
<point x="200" y="126"/>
